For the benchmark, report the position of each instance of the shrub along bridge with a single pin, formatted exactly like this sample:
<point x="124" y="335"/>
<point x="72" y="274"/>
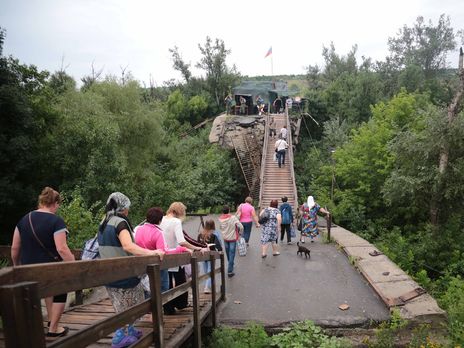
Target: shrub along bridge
<point x="23" y="287"/>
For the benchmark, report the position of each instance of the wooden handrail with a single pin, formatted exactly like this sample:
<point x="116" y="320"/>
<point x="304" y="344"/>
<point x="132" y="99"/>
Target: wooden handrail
<point x="23" y="286"/>
<point x="263" y="160"/>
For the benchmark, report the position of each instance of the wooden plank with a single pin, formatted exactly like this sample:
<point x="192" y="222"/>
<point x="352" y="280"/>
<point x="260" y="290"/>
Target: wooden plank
<point x="103" y="327"/>
<point x="22" y="315"/>
<point x="223" y="275"/>
<point x="196" y="300"/>
<point x="77" y="275"/>
<point x="154" y="275"/>
<point x="213" y="291"/>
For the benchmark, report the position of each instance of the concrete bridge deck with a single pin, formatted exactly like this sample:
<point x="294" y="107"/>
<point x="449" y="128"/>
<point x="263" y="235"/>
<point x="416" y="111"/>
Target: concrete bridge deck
<point x="286" y="288"/>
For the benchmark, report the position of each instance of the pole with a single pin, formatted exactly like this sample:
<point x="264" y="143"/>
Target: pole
<point x="272" y="66"/>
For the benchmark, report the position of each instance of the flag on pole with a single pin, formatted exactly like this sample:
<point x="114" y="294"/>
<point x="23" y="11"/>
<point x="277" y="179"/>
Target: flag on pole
<point x="269" y="52"/>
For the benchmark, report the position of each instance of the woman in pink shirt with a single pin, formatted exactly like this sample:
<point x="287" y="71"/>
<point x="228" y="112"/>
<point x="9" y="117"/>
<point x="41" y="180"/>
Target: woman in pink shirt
<point x="150" y="236"/>
<point x="247" y="215"/>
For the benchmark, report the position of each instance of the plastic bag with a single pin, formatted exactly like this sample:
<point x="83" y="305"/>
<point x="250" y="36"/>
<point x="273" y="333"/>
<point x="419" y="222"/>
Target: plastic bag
<point x="241" y="244"/>
<point x="292" y="231"/>
<point x="90" y="250"/>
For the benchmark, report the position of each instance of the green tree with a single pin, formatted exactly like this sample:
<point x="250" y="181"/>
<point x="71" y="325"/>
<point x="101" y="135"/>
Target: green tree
<point x="179" y="64"/>
<point x="26" y="123"/>
<point x="424" y="45"/>
<point x="219" y="77"/>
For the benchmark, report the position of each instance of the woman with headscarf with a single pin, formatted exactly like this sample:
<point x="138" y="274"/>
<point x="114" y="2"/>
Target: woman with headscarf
<point x="39" y="237"/>
<point x="115" y="239"/>
<point x="308" y="213"/>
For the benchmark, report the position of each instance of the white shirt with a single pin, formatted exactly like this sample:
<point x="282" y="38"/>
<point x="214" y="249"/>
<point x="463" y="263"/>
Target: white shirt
<point x="173" y="235"/>
<point x="281" y="145"/>
<point x="289" y="103"/>
<point x="172" y="231"/>
<point x="283" y="133"/>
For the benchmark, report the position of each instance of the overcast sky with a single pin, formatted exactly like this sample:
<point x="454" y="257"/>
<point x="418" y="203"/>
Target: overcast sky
<point x="137" y="34"/>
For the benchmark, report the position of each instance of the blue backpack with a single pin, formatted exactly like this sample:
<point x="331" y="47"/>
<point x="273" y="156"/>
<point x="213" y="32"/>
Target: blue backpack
<point x="286" y="216"/>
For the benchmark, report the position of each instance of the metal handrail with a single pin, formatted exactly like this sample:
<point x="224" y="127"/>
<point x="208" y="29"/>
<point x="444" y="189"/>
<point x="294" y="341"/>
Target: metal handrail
<point x="290" y="156"/>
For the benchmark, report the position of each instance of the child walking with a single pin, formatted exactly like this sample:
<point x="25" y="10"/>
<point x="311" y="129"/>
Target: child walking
<point x="212" y="238"/>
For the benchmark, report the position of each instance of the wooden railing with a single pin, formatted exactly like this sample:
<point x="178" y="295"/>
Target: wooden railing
<point x="22" y="287"/>
<point x="263" y="159"/>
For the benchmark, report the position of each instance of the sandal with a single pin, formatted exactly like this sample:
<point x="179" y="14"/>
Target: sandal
<point x="263" y="256"/>
<point x="58" y="334"/>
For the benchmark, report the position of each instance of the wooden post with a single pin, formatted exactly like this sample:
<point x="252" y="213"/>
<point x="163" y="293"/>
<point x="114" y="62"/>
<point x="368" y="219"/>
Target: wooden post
<point x="329" y="226"/>
<point x="22" y="315"/>
<point x="196" y="304"/>
<point x="223" y="277"/>
<point x="79" y="298"/>
<point x="212" y="259"/>
<point x="154" y="275"/>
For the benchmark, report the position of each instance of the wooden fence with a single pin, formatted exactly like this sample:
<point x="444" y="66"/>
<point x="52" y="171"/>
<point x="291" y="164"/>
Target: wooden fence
<point x="22" y="288"/>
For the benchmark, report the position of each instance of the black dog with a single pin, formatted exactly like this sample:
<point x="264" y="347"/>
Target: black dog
<point x="303" y="250"/>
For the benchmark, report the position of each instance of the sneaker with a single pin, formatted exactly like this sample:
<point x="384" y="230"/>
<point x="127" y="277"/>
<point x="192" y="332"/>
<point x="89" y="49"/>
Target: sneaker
<point x="132" y="331"/>
<point x="230" y="275"/>
<point x="207" y="291"/>
<point x="120" y="340"/>
<point x="289" y="243"/>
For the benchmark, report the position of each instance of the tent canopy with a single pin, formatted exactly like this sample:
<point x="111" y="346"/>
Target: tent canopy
<point x="268" y="90"/>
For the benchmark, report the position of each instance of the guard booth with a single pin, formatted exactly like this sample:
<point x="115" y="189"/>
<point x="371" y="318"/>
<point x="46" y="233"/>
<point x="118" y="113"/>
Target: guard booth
<point x="268" y="90"/>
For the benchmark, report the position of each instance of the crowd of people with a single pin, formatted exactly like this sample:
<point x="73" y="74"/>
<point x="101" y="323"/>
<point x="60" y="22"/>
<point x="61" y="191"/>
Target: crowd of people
<point x="41" y="236"/>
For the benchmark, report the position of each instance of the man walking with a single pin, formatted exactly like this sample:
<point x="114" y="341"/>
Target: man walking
<point x="281" y="146"/>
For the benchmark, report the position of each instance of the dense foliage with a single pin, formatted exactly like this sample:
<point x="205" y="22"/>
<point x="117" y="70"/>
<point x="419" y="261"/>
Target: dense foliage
<point x="389" y="164"/>
<point x="110" y="135"/>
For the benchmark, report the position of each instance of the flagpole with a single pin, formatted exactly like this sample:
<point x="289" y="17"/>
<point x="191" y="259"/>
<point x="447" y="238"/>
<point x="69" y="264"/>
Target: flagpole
<point x="272" y="66"/>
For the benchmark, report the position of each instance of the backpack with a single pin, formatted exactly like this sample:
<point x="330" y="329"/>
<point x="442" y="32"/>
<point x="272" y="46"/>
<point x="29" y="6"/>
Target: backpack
<point x="90" y="250"/>
<point x="286" y="218"/>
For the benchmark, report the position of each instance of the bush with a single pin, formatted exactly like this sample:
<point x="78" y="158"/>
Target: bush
<point x="306" y="334"/>
<point x="253" y="336"/>
<point x="453" y="302"/>
<point x="82" y="221"/>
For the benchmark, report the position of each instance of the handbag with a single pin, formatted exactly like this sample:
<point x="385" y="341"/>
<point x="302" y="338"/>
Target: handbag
<point x="241" y="244"/>
<point x="56" y="258"/>
<point x="90" y="251"/>
<point x="264" y="217"/>
<point x="300" y="225"/>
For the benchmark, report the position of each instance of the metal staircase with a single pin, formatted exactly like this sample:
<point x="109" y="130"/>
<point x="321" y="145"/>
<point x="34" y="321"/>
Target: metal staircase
<point x="248" y="151"/>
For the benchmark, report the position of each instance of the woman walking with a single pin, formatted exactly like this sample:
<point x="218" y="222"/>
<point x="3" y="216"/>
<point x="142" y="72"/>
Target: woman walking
<point x="39" y="237"/>
<point x="115" y="239"/>
<point x="308" y="213"/>
<point x="209" y="237"/>
<point x="171" y="225"/>
<point x="247" y="215"/>
<point x="270" y="228"/>
<point x="231" y="229"/>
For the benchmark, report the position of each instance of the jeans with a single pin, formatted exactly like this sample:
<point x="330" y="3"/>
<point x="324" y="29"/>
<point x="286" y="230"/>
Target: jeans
<point x="281" y="157"/>
<point x="247" y="230"/>
<point x="230" y="252"/>
<point x="164" y="280"/>
<point x="207" y="269"/>
<point x="284" y="228"/>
